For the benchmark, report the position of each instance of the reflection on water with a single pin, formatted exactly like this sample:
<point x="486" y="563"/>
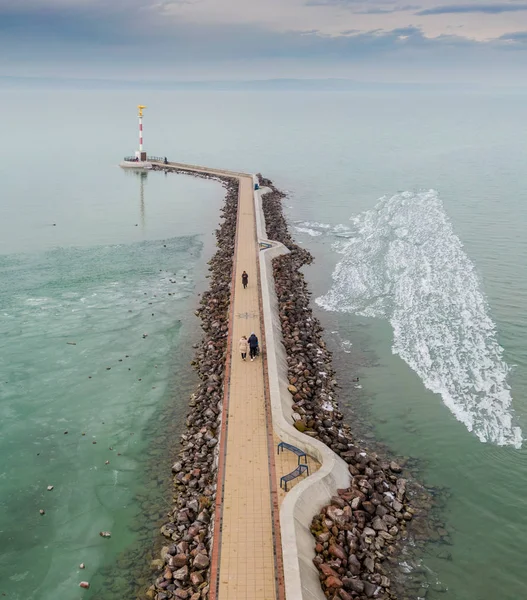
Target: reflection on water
<point x="142" y="177"/>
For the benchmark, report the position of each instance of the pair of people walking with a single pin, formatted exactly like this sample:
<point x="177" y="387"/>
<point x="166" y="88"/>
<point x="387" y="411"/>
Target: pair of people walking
<point x="250" y="344"/>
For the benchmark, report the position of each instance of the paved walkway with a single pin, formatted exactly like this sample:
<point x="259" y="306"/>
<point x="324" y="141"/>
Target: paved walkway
<point x="245" y="550"/>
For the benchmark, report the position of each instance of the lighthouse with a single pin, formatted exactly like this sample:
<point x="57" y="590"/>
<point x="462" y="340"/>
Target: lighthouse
<point x="141" y="154"/>
<point x="139" y="160"/>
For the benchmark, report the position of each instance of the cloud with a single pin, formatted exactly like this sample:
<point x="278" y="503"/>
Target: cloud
<point x="491" y="9"/>
<point x="191" y="42"/>
<point x="516" y="39"/>
<point x="332" y="2"/>
<point x="385" y="7"/>
<point x="71" y="23"/>
<point x="167" y="37"/>
<point x="386" y="11"/>
<point x="145" y="28"/>
<point x="357" y="6"/>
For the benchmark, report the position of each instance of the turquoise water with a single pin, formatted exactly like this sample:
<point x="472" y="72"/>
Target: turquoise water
<point x="96" y="327"/>
<point x="446" y="385"/>
<point x="59" y="398"/>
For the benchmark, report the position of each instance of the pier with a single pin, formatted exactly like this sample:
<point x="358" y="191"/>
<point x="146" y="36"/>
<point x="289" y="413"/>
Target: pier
<point x="262" y="548"/>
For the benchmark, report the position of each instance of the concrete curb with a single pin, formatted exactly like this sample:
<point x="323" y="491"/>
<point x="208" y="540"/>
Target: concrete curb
<point x="310" y="495"/>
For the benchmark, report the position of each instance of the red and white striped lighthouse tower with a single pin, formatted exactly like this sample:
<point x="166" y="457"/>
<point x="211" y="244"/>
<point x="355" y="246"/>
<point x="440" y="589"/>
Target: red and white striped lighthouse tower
<point x="141" y="155"/>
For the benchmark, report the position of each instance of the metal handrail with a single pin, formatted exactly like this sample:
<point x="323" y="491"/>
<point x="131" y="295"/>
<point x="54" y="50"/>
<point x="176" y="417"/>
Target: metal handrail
<point x="148" y="158"/>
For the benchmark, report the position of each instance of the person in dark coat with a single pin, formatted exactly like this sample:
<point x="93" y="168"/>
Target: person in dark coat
<point x="253" y="345"/>
<point x="245" y="279"/>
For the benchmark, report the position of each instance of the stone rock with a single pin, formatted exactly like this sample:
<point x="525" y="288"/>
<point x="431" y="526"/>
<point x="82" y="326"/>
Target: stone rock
<point x="203" y="517"/>
<point x="179" y="560"/>
<point x="323" y="537"/>
<point x="379" y="525"/>
<point x="369" y="589"/>
<point x="336" y="515"/>
<point x="196" y="578"/>
<point x="353" y="585"/>
<point x="333" y="582"/>
<point x="338" y="501"/>
<point x="389" y="519"/>
<point x="337" y="551"/>
<point x="328" y="571"/>
<point x="395" y="467"/>
<point x="181" y="574"/>
<point x="300" y="425"/>
<point x="354" y="565"/>
<point x="201" y="561"/>
<point x="369" y="563"/>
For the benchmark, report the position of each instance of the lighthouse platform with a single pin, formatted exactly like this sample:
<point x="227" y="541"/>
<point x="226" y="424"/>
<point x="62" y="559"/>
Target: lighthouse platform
<point x="133" y="162"/>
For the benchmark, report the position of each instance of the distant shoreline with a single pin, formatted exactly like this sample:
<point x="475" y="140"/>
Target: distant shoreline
<point x="257" y="85"/>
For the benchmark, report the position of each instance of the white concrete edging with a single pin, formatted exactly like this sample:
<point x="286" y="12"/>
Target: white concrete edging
<point x="307" y="497"/>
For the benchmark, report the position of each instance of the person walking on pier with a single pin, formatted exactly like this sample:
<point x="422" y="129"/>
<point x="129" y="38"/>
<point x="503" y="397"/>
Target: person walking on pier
<point x="253" y="346"/>
<point x="243" y="347"/>
<point x="245" y="279"/>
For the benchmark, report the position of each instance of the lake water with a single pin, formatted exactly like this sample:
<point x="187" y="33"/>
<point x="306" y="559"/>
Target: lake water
<point x="414" y="206"/>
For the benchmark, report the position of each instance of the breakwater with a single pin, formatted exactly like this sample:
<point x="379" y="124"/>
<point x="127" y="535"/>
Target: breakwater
<point x="183" y="567"/>
<point x="358" y="536"/>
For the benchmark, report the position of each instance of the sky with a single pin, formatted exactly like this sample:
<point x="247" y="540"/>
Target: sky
<point x="425" y="41"/>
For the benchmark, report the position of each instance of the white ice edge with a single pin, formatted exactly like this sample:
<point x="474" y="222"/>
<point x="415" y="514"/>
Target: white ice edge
<point x="405" y="263"/>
